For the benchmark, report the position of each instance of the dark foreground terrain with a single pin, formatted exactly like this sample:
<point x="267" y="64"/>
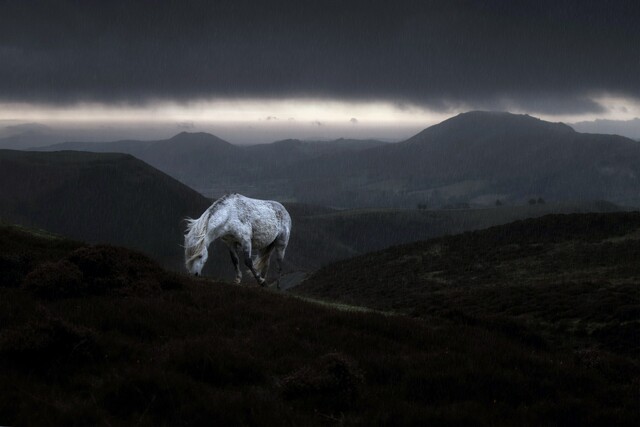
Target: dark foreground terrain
<point x="102" y="335"/>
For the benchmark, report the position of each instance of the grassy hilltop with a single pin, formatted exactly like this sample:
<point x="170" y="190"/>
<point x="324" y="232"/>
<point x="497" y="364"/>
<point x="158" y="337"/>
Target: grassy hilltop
<point x="102" y="335"/>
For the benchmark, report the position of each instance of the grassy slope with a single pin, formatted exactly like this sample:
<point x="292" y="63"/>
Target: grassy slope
<point x="132" y="344"/>
<point x="112" y="198"/>
<point x="322" y="236"/>
<point x="572" y="278"/>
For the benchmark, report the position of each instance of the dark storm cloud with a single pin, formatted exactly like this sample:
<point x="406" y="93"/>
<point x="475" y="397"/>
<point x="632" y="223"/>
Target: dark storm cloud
<point x="547" y="56"/>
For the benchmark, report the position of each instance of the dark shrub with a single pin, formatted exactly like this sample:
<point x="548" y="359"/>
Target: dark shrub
<point x="107" y="269"/>
<point x="331" y="382"/>
<point x="55" y="280"/>
<point x="171" y="281"/>
<point x="13" y="268"/>
<point x="215" y="362"/>
<point x="107" y="261"/>
<point x="46" y="341"/>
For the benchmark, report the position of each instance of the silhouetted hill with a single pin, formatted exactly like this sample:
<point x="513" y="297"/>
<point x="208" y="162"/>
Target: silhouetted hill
<point x="101" y="335"/>
<point x="214" y="166"/>
<point x="26" y="140"/>
<point x="98" y="197"/>
<point x="628" y="128"/>
<point x="476" y="158"/>
<point x="573" y="278"/>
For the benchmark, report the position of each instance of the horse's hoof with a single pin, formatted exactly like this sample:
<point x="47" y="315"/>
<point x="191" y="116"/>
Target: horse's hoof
<point x="262" y="282"/>
<point x="274" y="285"/>
<point x="237" y="281"/>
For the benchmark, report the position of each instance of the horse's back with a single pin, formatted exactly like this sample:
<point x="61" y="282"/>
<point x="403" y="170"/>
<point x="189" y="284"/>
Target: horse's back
<point x="268" y="218"/>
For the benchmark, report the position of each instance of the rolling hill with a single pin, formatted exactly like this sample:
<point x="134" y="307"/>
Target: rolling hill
<point x="109" y="198"/>
<point x="572" y="278"/>
<point x="474" y="158"/>
<point x="477" y="158"/>
<point x="118" y="199"/>
<point x="102" y="335"/>
<point x="214" y="166"/>
<point x="323" y="236"/>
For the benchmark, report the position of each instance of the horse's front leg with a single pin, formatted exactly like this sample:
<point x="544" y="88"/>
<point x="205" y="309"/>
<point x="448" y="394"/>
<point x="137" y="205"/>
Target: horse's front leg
<point x="246" y="249"/>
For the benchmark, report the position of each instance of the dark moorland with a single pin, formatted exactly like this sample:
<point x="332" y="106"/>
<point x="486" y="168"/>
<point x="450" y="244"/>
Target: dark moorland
<point x="103" y="335"/>
<point x="573" y="279"/>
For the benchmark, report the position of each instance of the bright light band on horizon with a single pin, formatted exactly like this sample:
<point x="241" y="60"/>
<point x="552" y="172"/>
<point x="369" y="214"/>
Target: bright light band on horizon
<point x="282" y="111"/>
<point x="226" y="111"/>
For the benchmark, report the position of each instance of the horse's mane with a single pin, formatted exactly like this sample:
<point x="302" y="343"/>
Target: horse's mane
<point x="197" y="230"/>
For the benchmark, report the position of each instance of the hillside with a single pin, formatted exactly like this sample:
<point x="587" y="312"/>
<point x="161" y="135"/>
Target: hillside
<point x="214" y="166"/>
<point x="89" y="197"/>
<point x="112" y="198"/>
<point x="628" y="128"/>
<point x="323" y="236"/>
<point x="477" y="158"/>
<point x="572" y="278"/>
<point x="102" y="335"/>
<point x="474" y="158"/>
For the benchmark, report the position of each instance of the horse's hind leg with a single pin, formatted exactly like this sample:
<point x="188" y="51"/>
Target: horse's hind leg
<point x="233" y="252"/>
<point x="265" y="260"/>
<point x="279" y="258"/>
<point x="246" y="249"/>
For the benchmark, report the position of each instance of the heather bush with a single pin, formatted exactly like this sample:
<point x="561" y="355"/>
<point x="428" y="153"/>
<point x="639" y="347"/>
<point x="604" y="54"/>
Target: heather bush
<point x="55" y="280"/>
<point x="330" y="382"/>
<point x="46" y="341"/>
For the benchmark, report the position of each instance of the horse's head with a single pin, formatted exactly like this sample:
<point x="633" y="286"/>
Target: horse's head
<point x="195" y="246"/>
<point x="195" y="259"/>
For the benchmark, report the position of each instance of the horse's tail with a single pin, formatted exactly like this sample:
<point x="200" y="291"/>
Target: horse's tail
<point x="263" y="258"/>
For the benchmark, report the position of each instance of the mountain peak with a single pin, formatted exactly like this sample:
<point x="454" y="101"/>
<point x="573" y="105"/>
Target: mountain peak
<point x="194" y="135"/>
<point x="474" y="124"/>
<point x="197" y="138"/>
<point x="504" y="118"/>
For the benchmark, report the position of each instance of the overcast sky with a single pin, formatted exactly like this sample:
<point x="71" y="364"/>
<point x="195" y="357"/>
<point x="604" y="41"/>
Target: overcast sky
<point x="311" y="64"/>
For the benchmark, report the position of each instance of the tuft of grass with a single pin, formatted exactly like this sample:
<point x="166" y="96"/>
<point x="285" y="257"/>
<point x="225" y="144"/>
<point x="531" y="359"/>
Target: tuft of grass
<point x="55" y="280"/>
<point x="332" y="383"/>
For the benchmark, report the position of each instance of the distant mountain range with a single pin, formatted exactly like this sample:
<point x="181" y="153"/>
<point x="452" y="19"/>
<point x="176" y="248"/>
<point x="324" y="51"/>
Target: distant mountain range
<point x="214" y="166"/>
<point x="628" y="128"/>
<point x="478" y="158"/>
<point x="475" y="159"/>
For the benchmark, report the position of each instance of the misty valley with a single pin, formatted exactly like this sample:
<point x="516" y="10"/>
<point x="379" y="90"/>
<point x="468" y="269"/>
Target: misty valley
<point x="484" y="271"/>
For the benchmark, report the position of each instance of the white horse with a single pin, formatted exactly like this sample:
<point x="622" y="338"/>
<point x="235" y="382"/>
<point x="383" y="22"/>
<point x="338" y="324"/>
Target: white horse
<point x="247" y="226"/>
